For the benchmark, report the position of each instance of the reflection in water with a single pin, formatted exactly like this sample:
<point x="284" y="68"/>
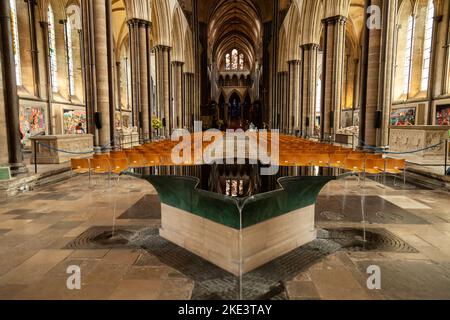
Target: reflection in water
<point x="237" y="180"/>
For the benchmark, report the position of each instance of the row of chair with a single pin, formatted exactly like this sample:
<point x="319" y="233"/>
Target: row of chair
<point x="293" y="151"/>
<point x="99" y="165"/>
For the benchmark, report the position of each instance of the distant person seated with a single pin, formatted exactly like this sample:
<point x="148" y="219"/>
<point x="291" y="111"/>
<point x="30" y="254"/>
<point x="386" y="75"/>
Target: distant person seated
<point x="79" y="129"/>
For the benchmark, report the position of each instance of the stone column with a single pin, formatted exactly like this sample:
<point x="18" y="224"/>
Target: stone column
<point x="111" y="73"/>
<point x="34" y="48"/>
<point x="445" y="83"/>
<point x="97" y="72"/>
<point x="284" y="102"/>
<point x="309" y="88"/>
<point x="177" y="72"/>
<point x="387" y="83"/>
<point x="162" y="55"/>
<point x="9" y="89"/>
<point x="101" y="65"/>
<point x="377" y="75"/>
<point x="276" y="113"/>
<point x="139" y="35"/>
<point x="191" y="100"/>
<point x="3" y="134"/>
<point x="294" y="95"/>
<point x="48" y="82"/>
<point x="274" y="59"/>
<point x="197" y="58"/>
<point x="186" y="99"/>
<point x="333" y="65"/>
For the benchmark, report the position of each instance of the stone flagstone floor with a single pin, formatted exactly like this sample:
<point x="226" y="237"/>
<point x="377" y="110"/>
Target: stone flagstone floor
<point x="37" y="228"/>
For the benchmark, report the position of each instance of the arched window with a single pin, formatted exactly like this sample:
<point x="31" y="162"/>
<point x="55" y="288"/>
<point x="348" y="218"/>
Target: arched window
<point x="15" y="38"/>
<point x="408" y="55"/>
<point x="427" y="46"/>
<point x="227" y="62"/>
<point x="52" y="49"/>
<point x="70" y="58"/>
<point x="234" y="59"/>
<point x="241" y="61"/>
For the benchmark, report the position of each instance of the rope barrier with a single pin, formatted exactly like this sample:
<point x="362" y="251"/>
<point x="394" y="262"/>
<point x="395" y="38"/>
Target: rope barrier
<point x="71" y="152"/>
<point x="380" y="150"/>
<point x="376" y="149"/>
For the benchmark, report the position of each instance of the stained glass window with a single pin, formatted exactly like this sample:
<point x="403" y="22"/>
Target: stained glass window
<point x="52" y="49"/>
<point x="427" y="46"/>
<point x="70" y="57"/>
<point x="241" y="62"/>
<point x="15" y="38"/>
<point x="408" y="55"/>
<point x="234" y="59"/>
<point x="227" y="62"/>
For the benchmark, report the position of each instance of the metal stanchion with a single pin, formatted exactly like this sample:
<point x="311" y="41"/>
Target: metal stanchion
<point x="446" y="157"/>
<point x="35" y="156"/>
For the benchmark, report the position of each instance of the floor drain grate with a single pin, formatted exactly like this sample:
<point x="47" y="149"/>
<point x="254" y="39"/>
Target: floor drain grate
<point x="210" y="282"/>
<point x="376" y="239"/>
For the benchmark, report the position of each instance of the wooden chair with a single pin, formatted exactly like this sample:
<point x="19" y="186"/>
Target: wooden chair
<point x="152" y="159"/>
<point x="355" y="166"/>
<point x="321" y="160"/>
<point x="104" y="156"/>
<point x="119" y="165"/>
<point x="80" y="166"/>
<point x="337" y="160"/>
<point x="118" y="155"/>
<point x="101" y="166"/>
<point x="396" y="167"/>
<point x="303" y="160"/>
<point x="136" y="160"/>
<point x="374" y="167"/>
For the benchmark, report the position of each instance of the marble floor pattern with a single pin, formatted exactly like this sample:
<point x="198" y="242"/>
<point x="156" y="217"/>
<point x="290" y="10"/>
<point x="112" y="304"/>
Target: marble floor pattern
<point x="36" y="228"/>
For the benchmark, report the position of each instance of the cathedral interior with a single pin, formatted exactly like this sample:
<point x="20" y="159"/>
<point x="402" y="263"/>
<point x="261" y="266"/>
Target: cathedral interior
<point x="354" y="96"/>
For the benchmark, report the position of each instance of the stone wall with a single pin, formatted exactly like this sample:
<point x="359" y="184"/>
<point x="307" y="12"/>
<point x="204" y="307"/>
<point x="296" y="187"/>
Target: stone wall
<point x="411" y="138"/>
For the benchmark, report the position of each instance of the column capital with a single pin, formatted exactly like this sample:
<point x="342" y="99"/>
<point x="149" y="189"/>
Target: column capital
<point x="281" y="73"/>
<point x="310" y="46"/>
<point x="161" y="48"/>
<point x="294" y="62"/>
<point x="334" y="20"/>
<point x="178" y="63"/>
<point x="139" y="22"/>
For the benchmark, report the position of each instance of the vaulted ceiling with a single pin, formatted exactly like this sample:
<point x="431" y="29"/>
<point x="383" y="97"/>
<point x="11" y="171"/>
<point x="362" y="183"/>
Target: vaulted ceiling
<point x="235" y="24"/>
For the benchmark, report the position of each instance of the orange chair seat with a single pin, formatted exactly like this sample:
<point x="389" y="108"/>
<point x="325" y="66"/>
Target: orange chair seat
<point x="394" y="171"/>
<point x="81" y="170"/>
<point x="373" y="170"/>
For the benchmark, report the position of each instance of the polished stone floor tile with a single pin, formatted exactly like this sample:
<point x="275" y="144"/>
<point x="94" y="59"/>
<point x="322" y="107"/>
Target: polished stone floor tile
<point x="36" y="227"/>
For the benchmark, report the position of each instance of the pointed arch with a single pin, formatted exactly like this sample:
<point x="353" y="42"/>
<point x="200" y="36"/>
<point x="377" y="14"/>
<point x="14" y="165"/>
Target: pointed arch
<point x="162" y="24"/>
<point x="188" y="52"/>
<point x="282" y="51"/>
<point x="311" y="16"/>
<point x="178" y="34"/>
<point x="293" y="32"/>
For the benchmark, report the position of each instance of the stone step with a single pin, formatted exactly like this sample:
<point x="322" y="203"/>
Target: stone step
<point x="427" y="181"/>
